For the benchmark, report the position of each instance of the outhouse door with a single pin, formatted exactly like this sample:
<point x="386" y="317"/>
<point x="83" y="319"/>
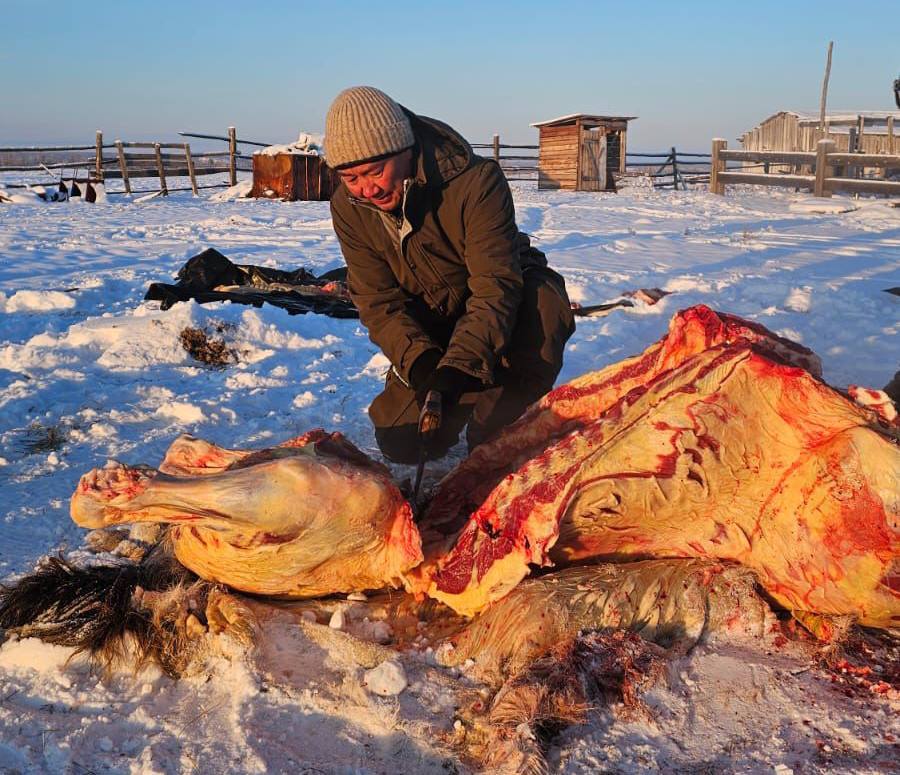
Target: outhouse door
<point x="592" y="175"/>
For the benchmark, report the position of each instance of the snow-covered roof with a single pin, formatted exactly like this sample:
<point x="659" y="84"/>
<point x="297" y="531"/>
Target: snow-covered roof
<point x="584" y="116"/>
<point x="305" y="145"/>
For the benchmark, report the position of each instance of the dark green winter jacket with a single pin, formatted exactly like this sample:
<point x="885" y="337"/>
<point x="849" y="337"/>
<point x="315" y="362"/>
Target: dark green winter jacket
<point x="448" y="273"/>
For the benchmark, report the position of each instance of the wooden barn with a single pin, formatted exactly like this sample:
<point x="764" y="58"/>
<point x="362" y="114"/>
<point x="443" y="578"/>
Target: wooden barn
<point x="582" y="152"/>
<point x="852" y="131"/>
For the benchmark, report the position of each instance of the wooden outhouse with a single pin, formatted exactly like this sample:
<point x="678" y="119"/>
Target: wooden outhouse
<point x="582" y="152"/>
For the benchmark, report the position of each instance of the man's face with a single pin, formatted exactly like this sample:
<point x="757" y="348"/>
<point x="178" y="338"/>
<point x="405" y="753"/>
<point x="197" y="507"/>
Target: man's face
<point x="379" y="182"/>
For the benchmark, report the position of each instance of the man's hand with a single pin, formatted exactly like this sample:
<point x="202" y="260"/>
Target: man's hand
<point x="425" y="375"/>
<point x="423" y="369"/>
<point x="451" y="383"/>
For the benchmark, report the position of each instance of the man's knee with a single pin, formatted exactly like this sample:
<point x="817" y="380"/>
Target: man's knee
<point x="395" y="416"/>
<point x="545" y="323"/>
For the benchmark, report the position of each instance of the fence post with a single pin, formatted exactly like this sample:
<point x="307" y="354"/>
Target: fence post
<point x="98" y="159"/>
<point x="674" y="158"/>
<point x="232" y="155"/>
<point x="163" y="189"/>
<point x="890" y="143"/>
<point x="190" y="163"/>
<point x="123" y="166"/>
<point x="823" y="148"/>
<point x="716" y="166"/>
<point x="497" y="148"/>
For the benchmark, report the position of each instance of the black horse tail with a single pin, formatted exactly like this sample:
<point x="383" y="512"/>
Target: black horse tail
<point x="105" y="611"/>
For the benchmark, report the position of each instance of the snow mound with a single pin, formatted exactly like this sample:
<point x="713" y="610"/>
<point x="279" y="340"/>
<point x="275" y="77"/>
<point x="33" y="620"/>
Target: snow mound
<point x="823" y="205"/>
<point x="36" y="301"/>
<point x="241" y="190"/>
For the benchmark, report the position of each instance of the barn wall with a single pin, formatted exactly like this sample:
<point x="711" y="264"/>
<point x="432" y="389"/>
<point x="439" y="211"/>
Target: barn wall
<point x="558" y="157"/>
<point x="784" y="132"/>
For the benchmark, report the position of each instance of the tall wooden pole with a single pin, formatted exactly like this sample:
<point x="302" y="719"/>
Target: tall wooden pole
<point x="497" y="148"/>
<point x="825" y="87"/>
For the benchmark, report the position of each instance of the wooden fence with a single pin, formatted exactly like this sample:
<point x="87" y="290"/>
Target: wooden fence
<point x="672" y="169"/>
<point x="675" y="169"/>
<point x="822" y="171"/>
<point x="130" y="160"/>
<point x="512" y="164"/>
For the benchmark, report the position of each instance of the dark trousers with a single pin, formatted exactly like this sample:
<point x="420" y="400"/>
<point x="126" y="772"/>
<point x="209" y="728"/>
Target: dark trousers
<point x="526" y="371"/>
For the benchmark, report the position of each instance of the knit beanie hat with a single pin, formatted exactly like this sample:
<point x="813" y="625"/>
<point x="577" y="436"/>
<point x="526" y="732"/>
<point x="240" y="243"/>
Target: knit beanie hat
<point x="364" y="123"/>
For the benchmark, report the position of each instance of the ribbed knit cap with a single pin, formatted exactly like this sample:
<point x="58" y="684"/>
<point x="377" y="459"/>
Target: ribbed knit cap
<point x="363" y="123"/>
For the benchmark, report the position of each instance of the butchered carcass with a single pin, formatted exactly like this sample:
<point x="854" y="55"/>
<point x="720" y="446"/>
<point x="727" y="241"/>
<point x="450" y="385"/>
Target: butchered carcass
<point x="313" y="516"/>
<point x="732" y="454"/>
<point x="584" y="400"/>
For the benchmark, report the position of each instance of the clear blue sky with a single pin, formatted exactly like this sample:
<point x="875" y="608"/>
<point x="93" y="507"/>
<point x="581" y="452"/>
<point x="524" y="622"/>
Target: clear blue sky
<point x="689" y="70"/>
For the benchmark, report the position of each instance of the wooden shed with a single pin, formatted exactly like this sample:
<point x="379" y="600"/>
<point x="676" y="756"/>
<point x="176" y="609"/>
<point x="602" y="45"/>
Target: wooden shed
<point x="582" y="152"/>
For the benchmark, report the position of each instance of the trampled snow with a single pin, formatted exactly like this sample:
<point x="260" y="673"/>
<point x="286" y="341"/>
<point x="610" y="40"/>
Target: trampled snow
<point x="89" y="371"/>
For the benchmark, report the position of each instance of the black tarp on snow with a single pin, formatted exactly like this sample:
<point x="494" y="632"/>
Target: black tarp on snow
<point x="210" y="276"/>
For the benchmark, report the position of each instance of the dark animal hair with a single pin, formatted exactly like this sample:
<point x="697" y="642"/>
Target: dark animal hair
<point x="103" y="610"/>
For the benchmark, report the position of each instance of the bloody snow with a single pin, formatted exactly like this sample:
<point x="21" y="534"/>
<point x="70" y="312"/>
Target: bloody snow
<point x="90" y="372"/>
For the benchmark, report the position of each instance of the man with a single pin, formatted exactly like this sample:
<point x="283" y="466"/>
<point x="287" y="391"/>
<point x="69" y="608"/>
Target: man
<point x="446" y="284"/>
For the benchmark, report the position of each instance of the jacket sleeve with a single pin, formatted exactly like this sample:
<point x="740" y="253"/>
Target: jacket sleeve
<point x="382" y="303"/>
<point x="495" y="275"/>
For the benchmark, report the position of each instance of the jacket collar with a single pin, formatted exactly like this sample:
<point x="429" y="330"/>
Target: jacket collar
<point x="441" y="152"/>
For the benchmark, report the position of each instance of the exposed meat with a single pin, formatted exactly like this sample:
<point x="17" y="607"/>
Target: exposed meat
<point x="583" y="401"/>
<point x="310" y="517"/>
<point x="732" y="454"/>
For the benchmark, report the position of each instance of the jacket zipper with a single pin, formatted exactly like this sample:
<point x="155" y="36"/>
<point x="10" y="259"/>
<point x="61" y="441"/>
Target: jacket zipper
<point x="407" y="184"/>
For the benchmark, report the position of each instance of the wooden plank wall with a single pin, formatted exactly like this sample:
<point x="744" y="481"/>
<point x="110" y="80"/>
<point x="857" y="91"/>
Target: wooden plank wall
<point x="783" y="132"/>
<point x="558" y="157"/>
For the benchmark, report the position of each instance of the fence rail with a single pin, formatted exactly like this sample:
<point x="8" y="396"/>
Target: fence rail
<point x="822" y="171"/>
<point x="516" y="170"/>
<point x="667" y="170"/>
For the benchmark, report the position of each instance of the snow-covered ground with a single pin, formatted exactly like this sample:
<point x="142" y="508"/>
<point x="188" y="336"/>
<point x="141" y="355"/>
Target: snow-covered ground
<point x="89" y="371"/>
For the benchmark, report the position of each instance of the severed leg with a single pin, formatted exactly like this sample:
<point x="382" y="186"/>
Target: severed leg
<point x="283" y="493"/>
<point x="314" y="517"/>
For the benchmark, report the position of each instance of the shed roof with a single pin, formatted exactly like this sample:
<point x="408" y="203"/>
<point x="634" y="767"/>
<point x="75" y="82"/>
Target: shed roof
<point x="585" y="117"/>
